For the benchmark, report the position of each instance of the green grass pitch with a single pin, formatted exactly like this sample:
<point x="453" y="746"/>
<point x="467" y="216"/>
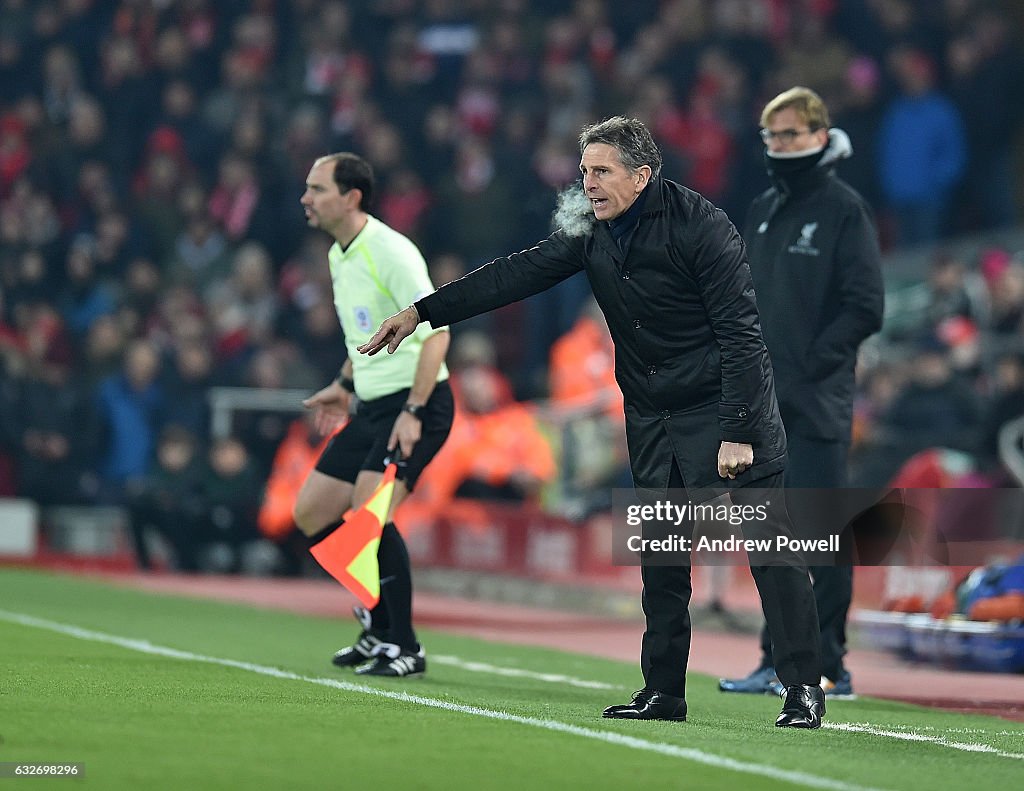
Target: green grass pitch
<point x="155" y="692"/>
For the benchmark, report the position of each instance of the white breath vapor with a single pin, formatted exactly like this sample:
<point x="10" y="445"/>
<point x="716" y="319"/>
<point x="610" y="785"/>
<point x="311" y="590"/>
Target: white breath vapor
<point x="573" y="212"/>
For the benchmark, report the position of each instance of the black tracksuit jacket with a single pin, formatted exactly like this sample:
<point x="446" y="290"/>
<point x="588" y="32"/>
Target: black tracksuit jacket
<point x="813" y="251"/>
<point x="689" y="356"/>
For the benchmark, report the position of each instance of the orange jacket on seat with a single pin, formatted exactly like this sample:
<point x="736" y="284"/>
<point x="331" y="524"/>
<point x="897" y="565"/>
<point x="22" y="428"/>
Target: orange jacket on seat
<point x="583" y="368"/>
<point x="493" y="447"/>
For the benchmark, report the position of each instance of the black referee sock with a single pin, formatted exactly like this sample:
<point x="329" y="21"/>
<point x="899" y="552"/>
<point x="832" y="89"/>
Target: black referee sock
<point x="379" y="620"/>
<point x="396" y="587"/>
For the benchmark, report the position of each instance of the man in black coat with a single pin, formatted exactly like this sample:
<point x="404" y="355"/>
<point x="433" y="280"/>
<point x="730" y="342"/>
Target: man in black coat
<point x="670" y="273"/>
<point x="814" y="258"/>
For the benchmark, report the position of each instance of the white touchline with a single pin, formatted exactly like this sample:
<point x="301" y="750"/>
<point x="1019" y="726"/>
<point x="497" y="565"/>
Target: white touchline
<point x="920" y="737"/>
<point x="515" y="672"/>
<point x="904" y="732"/>
<point x="609" y="737"/>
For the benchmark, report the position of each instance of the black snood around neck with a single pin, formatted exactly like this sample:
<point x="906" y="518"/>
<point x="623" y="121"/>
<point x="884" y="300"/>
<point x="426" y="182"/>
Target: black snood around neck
<point x="791" y="173"/>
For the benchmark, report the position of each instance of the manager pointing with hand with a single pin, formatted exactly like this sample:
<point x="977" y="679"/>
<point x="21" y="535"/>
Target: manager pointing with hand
<point x="670" y="272"/>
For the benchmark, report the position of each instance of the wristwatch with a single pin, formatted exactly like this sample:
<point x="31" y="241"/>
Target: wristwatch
<point x="414" y="410"/>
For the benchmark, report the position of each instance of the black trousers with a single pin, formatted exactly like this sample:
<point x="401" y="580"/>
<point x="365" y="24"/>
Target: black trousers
<point x="787" y="601"/>
<point x="821" y="464"/>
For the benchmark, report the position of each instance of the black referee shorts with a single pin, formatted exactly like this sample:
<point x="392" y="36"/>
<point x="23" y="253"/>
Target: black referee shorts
<point x="363" y="443"/>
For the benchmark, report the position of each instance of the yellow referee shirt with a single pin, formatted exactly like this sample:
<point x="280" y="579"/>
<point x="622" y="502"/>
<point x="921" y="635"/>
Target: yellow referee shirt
<point x="379" y="274"/>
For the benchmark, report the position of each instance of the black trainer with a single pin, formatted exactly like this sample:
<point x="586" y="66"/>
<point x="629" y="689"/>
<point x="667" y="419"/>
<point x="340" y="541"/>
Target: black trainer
<point x="364" y="647"/>
<point x="393" y="662"/>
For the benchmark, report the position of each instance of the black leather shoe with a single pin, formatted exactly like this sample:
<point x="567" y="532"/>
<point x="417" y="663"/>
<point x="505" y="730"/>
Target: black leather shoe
<point x="649" y="704"/>
<point x="803" y="708"/>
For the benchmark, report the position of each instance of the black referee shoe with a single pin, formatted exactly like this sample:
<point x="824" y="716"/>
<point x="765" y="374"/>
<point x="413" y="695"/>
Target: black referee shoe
<point x="365" y="645"/>
<point x="392" y="662"/>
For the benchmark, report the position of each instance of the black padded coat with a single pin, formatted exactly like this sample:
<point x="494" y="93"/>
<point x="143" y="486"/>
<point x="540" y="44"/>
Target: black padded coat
<point x="689" y="355"/>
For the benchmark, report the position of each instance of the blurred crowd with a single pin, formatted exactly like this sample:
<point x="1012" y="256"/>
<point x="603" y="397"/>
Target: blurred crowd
<point x="946" y="375"/>
<point x="152" y="154"/>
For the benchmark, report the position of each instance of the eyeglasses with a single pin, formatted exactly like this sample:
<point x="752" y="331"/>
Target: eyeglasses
<point x="784" y="136"/>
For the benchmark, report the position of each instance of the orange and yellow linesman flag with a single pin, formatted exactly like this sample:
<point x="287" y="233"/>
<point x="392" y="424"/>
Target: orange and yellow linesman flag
<point x="349" y="554"/>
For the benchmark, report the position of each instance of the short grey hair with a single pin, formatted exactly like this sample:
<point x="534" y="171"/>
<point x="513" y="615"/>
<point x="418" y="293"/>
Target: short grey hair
<point x="629" y="137"/>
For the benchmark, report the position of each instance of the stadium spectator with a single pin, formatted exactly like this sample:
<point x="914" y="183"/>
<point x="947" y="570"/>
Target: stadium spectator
<point x="858" y="111"/>
<point x="296" y="456"/>
<point x="235" y="200"/>
<point x="139" y="297"/>
<point x="1005" y="282"/>
<point x="318" y="336"/>
<point x="495" y="451"/>
<point x="593" y="458"/>
<point x="243" y="308"/>
<point x="1005" y="403"/>
<point x="15" y="154"/>
<point x="987" y="85"/>
<point x="582" y="366"/>
<point x="157" y="187"/>
<point x="169" y="502"/>
<point x="131" y="407"/>
<point x="229" y="507"/>
<point x="936" y="409"/>
<point x="201" y="253"/>
<point x="949" y="296"/>
<point x="180" y="114"/>
<point x="187" y="383"/>
<point x="919" y="178"/>
<point x="270" y="368"/>
<point x="52" y="417"/>
<point x="101" y="353"/>
<point x="85" y="298"/>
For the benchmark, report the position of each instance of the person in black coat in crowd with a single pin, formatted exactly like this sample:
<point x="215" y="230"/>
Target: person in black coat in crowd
<point x="815" y="261"/>
<point x="169" y="501"/>
<point x="670" y="273"/>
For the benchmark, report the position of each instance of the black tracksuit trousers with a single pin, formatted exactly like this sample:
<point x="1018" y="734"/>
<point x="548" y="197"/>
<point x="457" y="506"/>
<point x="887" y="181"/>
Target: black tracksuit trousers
<point x="821" y="464"/>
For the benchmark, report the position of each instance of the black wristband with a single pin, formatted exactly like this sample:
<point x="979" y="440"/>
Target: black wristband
<point x="346" y="383"/>
<point x="414" y="410"/>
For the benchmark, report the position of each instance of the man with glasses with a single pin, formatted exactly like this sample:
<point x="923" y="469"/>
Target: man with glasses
<point x="814" y="258"/>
